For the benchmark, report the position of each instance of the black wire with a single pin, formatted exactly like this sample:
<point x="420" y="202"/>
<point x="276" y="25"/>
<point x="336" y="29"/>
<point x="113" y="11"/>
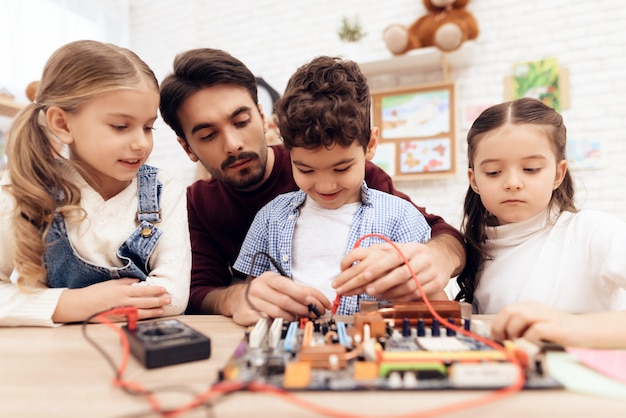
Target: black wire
<point x="251" y="277"/>
<point x="271" y="260"/>
<point x="97" y="346"/>
<point x="312" y="308"/>
<point x="208" y="404"/>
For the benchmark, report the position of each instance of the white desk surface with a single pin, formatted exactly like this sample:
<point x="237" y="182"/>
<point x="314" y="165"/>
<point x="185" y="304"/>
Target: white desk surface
<point x="55" y="372"/>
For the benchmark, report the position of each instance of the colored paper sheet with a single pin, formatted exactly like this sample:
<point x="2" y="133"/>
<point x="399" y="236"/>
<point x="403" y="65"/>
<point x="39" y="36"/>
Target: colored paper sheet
<point x="575" y="376"/>
<point x="611" y="363"/>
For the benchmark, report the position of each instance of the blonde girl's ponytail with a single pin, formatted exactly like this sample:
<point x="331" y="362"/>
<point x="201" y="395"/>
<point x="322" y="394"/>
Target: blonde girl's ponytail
<point x="35" y="181"/>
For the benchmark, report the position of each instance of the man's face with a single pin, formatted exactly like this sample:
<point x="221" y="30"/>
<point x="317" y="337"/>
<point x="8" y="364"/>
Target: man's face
<point x="225" y="131"/>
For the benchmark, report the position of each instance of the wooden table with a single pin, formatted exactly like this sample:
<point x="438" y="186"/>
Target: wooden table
<point x="55" y="372"/>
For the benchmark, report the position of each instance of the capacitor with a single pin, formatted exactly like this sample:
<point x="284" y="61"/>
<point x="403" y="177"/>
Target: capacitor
<point x="421" y="329"/>
<point x="450" y="332"/>
<point x="406" y="327"/>
<point x="434" y="328"/>
<point x="467" y="324"/>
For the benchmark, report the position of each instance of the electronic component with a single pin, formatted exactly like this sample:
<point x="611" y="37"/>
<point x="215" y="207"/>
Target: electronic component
<point x="258" y="333"/>
<point x="165" y="342"/>
<point x="391" y="348"/>
<point x="482" y="375"/>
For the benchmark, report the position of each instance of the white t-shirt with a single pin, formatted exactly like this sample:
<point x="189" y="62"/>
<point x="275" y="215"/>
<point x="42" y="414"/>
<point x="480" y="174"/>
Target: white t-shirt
<point x="319" y="243"/>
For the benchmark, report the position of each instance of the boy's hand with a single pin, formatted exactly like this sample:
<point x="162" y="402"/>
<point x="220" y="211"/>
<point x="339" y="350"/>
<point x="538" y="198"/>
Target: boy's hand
<point x="276" y="296"/>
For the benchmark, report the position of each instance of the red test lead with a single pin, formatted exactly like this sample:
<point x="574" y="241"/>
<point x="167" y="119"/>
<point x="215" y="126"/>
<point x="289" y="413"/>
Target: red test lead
<point x="335" y="304"/>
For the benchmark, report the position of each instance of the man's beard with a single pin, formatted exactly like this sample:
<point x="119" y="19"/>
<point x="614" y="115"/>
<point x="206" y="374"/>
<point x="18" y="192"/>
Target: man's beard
<point x="246" y="179"/>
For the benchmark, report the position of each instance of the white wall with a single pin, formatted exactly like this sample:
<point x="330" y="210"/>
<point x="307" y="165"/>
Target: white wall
<point x="31" y="30"/>
<point x="275" y="37"/>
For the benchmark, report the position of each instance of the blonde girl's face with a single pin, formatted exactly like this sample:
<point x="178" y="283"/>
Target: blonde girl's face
<point x="515" y="172"/>
<point x="111" y="136"/>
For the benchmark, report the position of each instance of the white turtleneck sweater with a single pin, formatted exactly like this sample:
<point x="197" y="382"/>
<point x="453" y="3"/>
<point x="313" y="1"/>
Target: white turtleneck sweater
<point x="575" y="262"/>
<point x="96" y="239"/>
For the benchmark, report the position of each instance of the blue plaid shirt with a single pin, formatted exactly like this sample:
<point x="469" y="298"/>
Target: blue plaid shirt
<point x="273" y="227"/>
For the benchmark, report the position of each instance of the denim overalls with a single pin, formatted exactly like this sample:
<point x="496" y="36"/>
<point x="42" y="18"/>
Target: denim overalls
<point x="68" y="269"/>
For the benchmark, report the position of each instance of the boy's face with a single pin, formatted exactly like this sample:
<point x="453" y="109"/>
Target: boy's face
<point x="331" y="176"/>
<point x="225" y="131"/>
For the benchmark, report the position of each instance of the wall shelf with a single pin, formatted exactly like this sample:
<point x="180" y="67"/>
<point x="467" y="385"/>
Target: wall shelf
<point x="9" y="107"/>
<point x="421" y="59"/>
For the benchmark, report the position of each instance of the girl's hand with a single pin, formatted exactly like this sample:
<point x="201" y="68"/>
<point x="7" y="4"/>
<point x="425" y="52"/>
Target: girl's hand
<point x="514" y="321"/>
<point x="78" y="304"/>
<point x="538" y="323"/>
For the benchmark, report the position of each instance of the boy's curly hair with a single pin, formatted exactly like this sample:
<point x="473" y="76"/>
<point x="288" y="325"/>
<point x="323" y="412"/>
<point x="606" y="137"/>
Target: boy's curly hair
<point x="326" y="102"/>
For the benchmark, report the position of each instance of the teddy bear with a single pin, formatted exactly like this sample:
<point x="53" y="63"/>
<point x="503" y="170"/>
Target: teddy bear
<point x="31" y="90"/>
<point x="446" y="26"/>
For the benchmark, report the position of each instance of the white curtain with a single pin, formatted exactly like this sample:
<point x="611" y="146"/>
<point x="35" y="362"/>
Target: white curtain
<point x="30" y="30"/>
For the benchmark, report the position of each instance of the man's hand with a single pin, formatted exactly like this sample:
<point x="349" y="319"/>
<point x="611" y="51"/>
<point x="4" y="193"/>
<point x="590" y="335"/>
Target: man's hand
<point x="381" y="271"/>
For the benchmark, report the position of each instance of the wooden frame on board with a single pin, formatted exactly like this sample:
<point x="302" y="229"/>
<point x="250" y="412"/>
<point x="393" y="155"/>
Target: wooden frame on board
<point x="417" y="130"/>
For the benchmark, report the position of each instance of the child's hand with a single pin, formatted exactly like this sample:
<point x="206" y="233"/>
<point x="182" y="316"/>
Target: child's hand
<point x="381" y="272"/>
<point x="537" y="322"/>
<point x="78" y="304"/>
<point x="277" y="296"/>
<point x="530" y="320"/>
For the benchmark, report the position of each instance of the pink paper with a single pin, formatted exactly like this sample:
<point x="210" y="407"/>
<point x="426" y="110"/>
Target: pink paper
<point x="611" y="363"/>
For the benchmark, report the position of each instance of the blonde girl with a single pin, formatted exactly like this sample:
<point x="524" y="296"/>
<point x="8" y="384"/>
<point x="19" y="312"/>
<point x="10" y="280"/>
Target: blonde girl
<point x="83" y="220"/>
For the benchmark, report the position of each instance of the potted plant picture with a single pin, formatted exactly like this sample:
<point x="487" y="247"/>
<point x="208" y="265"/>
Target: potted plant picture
<point x="350" y="32"/>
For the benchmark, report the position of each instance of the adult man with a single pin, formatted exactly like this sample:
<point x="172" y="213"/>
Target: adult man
<point x="210" y="101"/>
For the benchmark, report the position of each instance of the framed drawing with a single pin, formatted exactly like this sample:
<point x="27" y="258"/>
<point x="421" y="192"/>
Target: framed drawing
<point x="417" y="130"/>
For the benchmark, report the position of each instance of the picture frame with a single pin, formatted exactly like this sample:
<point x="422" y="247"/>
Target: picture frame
<point x="417" y="130"/>
<point x="543" y="79"/>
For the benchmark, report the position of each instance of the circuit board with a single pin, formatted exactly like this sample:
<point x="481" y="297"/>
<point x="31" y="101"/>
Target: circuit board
<point x="401" y="347"/>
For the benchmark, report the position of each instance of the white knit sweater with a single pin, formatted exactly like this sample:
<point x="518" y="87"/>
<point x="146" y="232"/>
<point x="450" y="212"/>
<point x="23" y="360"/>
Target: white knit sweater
<point x="575" y="262"/>
<point x="109" y="223"/>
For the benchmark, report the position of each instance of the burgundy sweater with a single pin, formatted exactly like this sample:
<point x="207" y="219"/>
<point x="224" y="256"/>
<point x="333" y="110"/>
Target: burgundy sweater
<point x="219" y="218"/>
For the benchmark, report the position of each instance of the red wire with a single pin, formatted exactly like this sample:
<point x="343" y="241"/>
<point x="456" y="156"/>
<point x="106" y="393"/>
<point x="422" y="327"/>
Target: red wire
<point x="131" y="314"/>
<point x="226" y="387"/>
<point x="516" y="386"/>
